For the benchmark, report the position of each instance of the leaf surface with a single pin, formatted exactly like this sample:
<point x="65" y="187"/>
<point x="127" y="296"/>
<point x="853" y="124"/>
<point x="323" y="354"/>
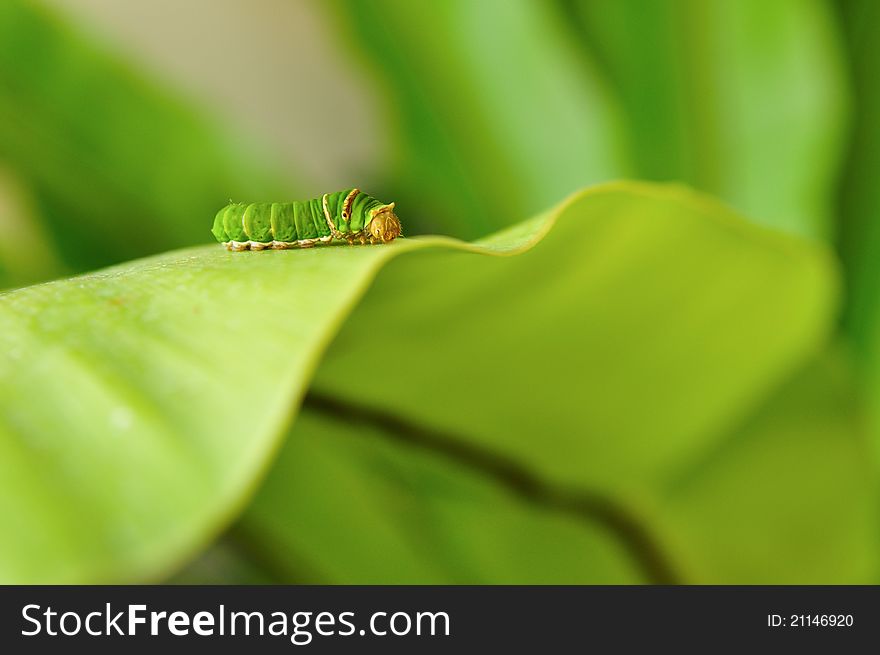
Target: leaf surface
<point x="141" y="404"/>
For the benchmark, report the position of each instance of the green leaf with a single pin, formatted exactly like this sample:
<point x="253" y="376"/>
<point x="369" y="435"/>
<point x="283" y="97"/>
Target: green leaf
<point x="110" y="154"/>
<point x="25" y="254"/>
<point x="618" y="394"/>
<point x="635" y="324"/>
<point x="495" y="124"/>
<point x="398" y="513"/>
<point x="746" y="100"/>
<point x="167" y="382"/>
<point x="860" y="195"/>
<point x="788" y="498"/>
<point x="636" y="331"/>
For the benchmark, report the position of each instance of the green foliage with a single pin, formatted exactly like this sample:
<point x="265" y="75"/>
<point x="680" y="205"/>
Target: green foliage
<point x="743" y="99"/>
<point x="506" y="106"/>
<point x="784" y="496"/>
<point x="399" y="513"/>
<point x="120" y="166"/>
<point x="494" y="123"/>
<point x="797" y="476"/>
<point x="175" y="358"/>
<point x="154" y="373"/>
<point x="636" y="386"/>
<point x="732" y="310"/>
<point x="860" y="193"/>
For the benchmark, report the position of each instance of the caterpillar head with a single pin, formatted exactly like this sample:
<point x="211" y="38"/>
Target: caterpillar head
<point x="384" y="226"/>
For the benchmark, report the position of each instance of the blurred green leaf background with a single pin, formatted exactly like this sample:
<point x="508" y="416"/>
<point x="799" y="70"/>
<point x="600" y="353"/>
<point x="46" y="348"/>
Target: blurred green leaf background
<point x="666" y="389"/>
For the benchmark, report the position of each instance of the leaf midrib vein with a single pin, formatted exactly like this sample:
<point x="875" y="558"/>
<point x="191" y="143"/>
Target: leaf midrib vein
<point x="584" y="505"/>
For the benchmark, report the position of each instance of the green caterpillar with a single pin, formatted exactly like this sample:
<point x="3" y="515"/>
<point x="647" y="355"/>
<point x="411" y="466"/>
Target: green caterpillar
<point x="346" y="215"/>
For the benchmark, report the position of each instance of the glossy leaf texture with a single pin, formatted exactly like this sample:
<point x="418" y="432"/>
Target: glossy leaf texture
<point x="747" y="100"/>
<point x="120" y="166"/>
<point x="515" y="376"/>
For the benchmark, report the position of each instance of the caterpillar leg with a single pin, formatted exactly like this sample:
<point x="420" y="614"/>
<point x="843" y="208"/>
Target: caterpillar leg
<point x="363" y="239"/>
<point x="238" y="246"/>
<point x="308" y="243"/>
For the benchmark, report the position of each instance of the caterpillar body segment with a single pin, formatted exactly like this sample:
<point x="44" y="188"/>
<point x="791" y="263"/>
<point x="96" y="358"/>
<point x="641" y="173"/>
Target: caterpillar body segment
<point x="347" y="215"/>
